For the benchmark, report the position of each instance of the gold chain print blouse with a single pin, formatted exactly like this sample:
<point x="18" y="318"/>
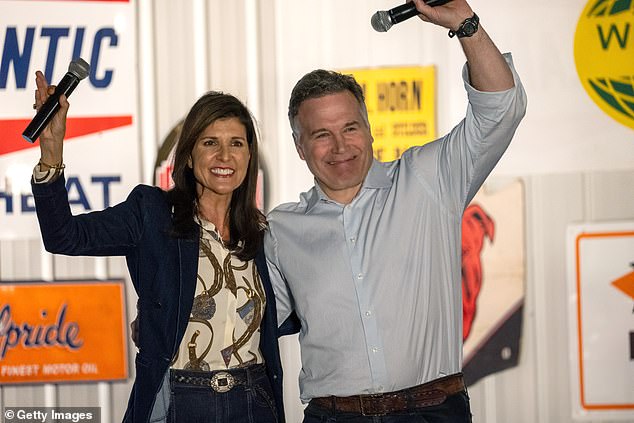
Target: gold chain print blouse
<point x="224" y="325"/>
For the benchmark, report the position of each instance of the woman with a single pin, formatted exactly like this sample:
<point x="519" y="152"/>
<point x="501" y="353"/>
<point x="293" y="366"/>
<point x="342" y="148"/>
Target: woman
<point x="207" y="328"/>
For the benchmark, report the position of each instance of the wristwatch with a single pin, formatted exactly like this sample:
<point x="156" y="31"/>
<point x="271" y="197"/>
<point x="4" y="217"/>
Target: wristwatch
<point x="467" y="28"/>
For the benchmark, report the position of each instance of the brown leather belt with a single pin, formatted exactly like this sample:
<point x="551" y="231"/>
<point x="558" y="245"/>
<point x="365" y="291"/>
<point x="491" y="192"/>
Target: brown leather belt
<point x="425" y="395"/>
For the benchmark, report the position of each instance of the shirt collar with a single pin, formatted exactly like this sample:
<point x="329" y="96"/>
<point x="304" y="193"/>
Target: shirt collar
<point x="205" y="224"/>
<point x="208" y="230"/>
<point x="377" y="178"/>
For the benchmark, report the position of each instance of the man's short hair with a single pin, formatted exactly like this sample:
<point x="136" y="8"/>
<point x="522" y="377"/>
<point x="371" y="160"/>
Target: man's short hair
<point x="319" y="83"/>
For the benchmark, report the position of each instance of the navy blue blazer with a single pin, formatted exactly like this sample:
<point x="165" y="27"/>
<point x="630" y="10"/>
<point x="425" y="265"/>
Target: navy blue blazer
<point x="163" y="271"/>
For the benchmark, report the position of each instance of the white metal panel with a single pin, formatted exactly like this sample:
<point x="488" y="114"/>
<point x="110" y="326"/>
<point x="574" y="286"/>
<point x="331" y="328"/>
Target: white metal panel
<point x="552" y="202"/>
<point x="610" y="195"/>
<point x="175" y="90"/>
<point x="147" y="89"/>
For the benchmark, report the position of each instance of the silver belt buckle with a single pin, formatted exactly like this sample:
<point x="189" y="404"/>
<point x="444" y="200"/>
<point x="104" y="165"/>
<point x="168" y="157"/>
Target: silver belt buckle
<point x="222" y="382"/>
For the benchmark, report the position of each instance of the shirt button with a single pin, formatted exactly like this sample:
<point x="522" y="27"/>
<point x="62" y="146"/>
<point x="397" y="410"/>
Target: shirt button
<point x="360" y="276"/>
<point x="353" y="240"/>
<point x="375" y="350"/>
<point x="368" y="313"/>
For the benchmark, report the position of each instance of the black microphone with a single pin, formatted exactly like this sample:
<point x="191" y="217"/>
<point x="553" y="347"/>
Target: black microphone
<point x="383" y="20"/>
<point x="77" y="70"/>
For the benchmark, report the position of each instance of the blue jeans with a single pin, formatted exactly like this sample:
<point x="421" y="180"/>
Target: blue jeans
<point x="251" y="402"/>
<point x="455" y="409"/>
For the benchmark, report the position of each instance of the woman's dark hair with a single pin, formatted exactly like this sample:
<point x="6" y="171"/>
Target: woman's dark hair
<point x="245" y="220"/>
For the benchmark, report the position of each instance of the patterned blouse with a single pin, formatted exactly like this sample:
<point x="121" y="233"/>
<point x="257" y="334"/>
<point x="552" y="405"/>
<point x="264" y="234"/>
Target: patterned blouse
<point x="224" y="325"/>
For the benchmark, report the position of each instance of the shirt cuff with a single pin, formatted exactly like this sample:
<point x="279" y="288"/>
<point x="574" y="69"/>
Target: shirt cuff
<point x="45" y="176"/>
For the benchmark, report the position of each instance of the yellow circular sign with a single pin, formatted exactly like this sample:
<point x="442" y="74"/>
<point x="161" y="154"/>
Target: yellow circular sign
<point x="604" y="54"/>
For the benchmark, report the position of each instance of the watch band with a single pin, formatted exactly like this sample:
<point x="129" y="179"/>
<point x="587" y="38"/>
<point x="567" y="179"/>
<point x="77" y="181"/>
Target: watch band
<point x="467" y="28"/>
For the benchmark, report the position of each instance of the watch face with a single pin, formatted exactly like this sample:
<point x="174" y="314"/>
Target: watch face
<point x="469" y="28"/>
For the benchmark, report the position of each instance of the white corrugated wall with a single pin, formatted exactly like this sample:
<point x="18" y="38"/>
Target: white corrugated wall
<point x="258" y="49"/>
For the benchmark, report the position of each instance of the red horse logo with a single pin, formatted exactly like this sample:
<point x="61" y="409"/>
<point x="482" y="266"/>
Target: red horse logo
<point x="476" y="224"/>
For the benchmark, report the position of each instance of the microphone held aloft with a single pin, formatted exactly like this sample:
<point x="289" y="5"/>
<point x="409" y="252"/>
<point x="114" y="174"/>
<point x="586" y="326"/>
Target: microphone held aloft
<point x="77" y="70"/>
<point x="384" y="19"/>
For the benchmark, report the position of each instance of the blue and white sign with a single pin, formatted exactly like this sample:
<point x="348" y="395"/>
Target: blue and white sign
<point x="101" y="150"/>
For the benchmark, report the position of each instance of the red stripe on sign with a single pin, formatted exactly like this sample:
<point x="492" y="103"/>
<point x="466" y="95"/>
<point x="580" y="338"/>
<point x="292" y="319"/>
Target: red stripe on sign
<point x="102" y="1"/>
<point x="11" y="130"/>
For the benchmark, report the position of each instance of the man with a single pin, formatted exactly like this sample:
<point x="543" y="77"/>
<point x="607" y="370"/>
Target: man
<point x="369" y="258"/>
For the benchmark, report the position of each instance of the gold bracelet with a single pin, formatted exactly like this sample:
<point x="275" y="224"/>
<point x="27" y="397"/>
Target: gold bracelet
<point x="56" y="167"/>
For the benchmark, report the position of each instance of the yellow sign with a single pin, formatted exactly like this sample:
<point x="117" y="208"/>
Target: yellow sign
<point x="62" y="331"/>
<point x="604" y="54"/>
<point x="401" y="107"/>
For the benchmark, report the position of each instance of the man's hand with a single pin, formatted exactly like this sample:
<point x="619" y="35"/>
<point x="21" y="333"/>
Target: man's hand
<point x="449" y="15"/>
<point x="488" y="70"/>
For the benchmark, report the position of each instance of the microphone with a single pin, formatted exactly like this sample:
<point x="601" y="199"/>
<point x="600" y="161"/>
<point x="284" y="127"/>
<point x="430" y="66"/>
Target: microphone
<point x="383" y="20"/>
<point x="77" y="70"/>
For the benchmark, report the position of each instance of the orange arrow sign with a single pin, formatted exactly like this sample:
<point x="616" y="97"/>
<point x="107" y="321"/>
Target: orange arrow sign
<point x="626" y="284"/>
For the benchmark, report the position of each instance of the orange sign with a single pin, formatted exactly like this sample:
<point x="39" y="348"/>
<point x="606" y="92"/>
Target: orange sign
<point x="626" y="284"/>
<point x="62" y="332"/>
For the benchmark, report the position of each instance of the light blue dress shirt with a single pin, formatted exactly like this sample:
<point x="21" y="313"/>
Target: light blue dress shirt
<point x="377" y="283"/>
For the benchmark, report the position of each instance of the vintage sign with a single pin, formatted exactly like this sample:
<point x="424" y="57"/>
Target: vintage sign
<point x="401" y="103"/>
<point x="101" y="149"/>
<point x="601" y="316"/>
<point x="493" y="274"/>
<point x="53" y="332"/>
<point x="604" y="55"/>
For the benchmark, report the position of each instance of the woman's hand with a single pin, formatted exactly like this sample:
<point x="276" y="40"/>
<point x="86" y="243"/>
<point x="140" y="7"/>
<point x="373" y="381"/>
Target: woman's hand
<point x="52" y="137"/>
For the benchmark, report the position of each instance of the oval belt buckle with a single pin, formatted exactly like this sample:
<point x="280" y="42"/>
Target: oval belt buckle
<point x="222" y="382"/>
